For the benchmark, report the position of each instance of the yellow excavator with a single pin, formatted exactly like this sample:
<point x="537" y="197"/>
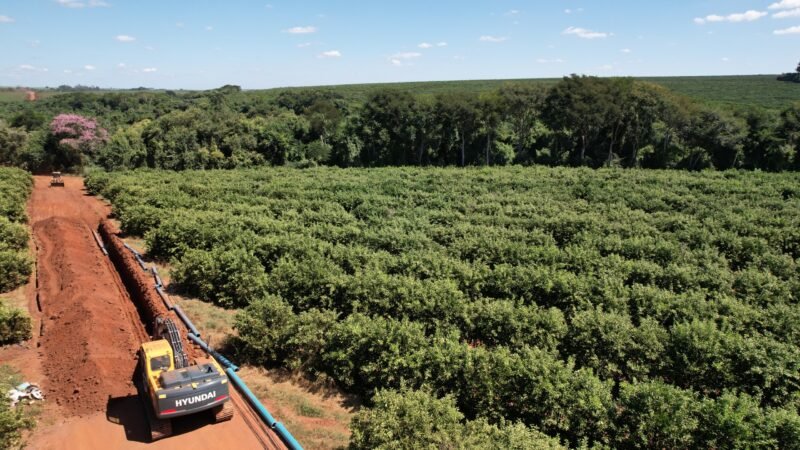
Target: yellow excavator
<point x="171" y="387"/>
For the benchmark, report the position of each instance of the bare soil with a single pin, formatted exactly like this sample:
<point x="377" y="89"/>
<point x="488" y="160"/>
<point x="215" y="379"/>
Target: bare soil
<point x="90" y="332"/>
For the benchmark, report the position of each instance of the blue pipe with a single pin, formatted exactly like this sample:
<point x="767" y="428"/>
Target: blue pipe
<point x="135" y="253"/>
<point x="189" y="324"/>
<point x="248" y="394"/>
<point x="159" y="283"/>
<point x="278" y="427"/>
<point x="222" y="360"/>
<point x="287" y="437"/>
<point x="164" y="298"/>
<point x="141" y="261"/>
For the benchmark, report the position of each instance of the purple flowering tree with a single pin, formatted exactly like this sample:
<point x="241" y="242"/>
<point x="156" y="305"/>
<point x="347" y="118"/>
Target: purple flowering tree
<point x="78" y="132"/>
<point x="73" y="138"/>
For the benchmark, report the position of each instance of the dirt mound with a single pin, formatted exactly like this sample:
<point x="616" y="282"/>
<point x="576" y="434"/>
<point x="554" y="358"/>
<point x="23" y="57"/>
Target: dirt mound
<point x="88" y="353"/>
<point x="141" y="285"/>
<point x="91" y="332"/>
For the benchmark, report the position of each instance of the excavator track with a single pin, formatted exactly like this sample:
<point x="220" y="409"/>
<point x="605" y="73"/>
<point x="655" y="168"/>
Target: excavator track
<point x="223" y="413"/>
<point x="159" y="428"/>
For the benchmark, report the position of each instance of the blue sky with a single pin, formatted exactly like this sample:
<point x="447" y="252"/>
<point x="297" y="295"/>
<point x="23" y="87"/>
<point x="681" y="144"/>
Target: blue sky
<point x="271" y="43"/>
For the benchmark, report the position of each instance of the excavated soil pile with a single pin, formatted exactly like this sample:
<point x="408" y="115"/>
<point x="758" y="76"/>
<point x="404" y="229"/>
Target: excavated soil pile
<point x="88" y="346"/>
<point x="92" y="331"/>
<point x="141" y="285"/>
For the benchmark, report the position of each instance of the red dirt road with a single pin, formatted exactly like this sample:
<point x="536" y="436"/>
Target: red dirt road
<point x="91" y="331"/>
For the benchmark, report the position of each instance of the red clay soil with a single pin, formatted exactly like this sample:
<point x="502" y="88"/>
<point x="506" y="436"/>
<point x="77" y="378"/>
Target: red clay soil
<point x="141" y="284"/>
<point x="91" y="332"/>
<point x="88" y="353"/>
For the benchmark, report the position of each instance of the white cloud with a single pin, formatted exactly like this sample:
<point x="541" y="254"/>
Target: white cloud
<point x="209" y="28"/>
<point x="330" y="54"/>
<point x="402" y="58"/>
<point x="792" y="30"/>
<point x="301" y="30"/>
<point x="81" y="4"/>
<point x="32" y="68"/>
<point x="71" y="4"/>
<point x="67" y="71"/>
<point x="425" y="45"/>
<point x="89" y="67"/>
<point x="583" y="33"/>
<point x="121" y="65"/>
<point x="571" y="11"/>
<point x="304" y="44"/>
<point x="493" y="39"/>
<point x="179" y="24"/>
<point x="6" y="19"/>
<point x="406" y="55"/>
<point x="513" y="12"/>
<point x="550" y="61"/>
<point x="149" y="70"/>
<point x="125" y="38"/>
<point x="747" y="16"/>
<point x="441" y="44"/>
<point x="787" y="13"/>
<point x="785" y="4"/>
<point x="626" y="50"/>
<point x="725" y="59"/>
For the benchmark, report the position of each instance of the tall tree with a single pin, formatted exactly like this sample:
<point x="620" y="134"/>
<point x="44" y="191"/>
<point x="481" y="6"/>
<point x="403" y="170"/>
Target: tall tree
<point x="457" y="115"/>
<point x="387" y="128"/>
<point x="577" y="106"/>
<point x="521" y="106"/>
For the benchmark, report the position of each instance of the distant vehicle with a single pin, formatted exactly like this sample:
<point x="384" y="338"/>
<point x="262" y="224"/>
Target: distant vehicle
<point x="57" y="180"/>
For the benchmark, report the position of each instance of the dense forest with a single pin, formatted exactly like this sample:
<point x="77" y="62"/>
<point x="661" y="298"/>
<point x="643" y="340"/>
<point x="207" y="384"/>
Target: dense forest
<point x="577" y="121"/>
<point x="502" y="307"/>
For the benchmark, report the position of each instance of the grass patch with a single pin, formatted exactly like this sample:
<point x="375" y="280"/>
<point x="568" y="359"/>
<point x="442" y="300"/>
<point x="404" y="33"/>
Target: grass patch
<point x="306" y="409"/>
<point x="317" y="416"/>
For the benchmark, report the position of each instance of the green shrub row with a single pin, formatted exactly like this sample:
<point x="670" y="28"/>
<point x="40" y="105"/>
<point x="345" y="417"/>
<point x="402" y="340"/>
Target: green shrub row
<point x="15" y="325"/>
<point x="527" y="295"/>
<point x="15" y="263"/>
